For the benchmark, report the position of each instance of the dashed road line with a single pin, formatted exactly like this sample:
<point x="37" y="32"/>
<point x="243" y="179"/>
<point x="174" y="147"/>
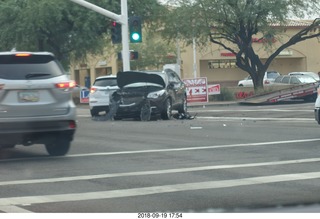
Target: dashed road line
<point x="255" y="119"/>
<point x="257" y="144"/>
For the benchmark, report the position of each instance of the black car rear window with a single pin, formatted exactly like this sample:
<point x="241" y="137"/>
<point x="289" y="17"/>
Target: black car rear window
<point x="32" y="67"/>
<point x="103" y="82"/>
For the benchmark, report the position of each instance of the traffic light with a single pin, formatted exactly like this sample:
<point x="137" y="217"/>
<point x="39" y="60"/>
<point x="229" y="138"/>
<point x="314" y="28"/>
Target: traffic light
<point x="134" y="55"/>
<point x="116" y="32"/>
<point x="135" y="33"/>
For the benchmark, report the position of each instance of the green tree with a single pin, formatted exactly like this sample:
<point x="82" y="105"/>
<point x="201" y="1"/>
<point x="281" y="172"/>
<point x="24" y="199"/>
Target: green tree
<point x="62" y="27"/>
<point x="232" y="24"/>
<point x="153" y="52"/>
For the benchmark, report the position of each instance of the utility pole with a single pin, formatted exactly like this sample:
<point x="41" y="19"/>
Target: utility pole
<point x="122" y="19"/>
<point x="194" y="58"/>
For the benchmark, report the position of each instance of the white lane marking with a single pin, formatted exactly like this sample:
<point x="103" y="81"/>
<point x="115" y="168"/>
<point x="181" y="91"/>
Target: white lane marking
<point x="241" y="118"/>
<point x="157" y="189"/>
<point x="196" y="148"/>
<point x="13" y="209"/>
<point x="256" y="119"/>
<point x="253" y="110"/>
<point x="154" y="172"/>
<point x="171" y="149"/>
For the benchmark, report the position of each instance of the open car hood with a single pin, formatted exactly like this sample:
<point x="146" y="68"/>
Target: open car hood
<point x="129" y="77"/>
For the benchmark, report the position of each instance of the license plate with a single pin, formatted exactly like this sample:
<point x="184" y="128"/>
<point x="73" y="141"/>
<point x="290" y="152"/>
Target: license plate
<point x="28" y="96"/>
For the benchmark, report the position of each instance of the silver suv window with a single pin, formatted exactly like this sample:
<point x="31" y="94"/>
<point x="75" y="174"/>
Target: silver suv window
<point x="33" y="67"/>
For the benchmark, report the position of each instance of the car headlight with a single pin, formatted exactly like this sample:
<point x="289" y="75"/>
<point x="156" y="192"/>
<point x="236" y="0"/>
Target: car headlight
<point x="155" y="95"/>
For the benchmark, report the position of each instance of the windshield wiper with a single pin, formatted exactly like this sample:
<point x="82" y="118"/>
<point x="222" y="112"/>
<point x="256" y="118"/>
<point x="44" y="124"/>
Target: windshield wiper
<point x="33" y="75"/>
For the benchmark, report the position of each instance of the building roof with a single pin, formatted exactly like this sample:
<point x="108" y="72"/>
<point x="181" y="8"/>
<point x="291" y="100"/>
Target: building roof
<point x="298" y="23"/>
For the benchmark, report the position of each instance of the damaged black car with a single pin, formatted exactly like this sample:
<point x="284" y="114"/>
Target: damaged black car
<point x="146" y="94"/>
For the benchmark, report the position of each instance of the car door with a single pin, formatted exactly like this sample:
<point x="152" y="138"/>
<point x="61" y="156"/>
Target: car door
<point x="177" y="87"/>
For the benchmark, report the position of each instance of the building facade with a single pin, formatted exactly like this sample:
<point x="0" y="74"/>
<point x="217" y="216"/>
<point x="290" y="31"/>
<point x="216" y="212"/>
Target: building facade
<point x="215" y="63"/>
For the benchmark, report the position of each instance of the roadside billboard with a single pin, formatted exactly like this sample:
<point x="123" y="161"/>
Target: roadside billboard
<point x="196" y="90"/>
<point x="214" y="89"/>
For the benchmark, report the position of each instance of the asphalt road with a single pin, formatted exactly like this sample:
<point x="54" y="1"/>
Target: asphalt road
<point x="230" y="158"/>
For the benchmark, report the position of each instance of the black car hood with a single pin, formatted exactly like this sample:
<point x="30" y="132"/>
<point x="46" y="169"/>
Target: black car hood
<point x="129" y="77"/>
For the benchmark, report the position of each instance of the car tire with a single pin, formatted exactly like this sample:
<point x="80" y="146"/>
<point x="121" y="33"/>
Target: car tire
<point x="117" y="118"/>
<point x="94" y="112"/>
<point x="145" y="112"/>
<point x="58" y="147"/>
<point x="167" y="111"/>
<point x="183" y="107"/>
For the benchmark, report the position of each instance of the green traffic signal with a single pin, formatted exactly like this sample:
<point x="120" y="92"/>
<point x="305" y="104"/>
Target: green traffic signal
<point x="135" y="36"/>
<point x="135" y="29"/>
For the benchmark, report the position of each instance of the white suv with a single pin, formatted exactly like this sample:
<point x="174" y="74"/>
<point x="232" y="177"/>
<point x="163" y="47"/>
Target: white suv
<point x="100" y="92"/>
<point x="268" y="79"/>
<point x="36" y="104"/>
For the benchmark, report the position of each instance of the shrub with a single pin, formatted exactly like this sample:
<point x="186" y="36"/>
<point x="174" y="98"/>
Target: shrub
<point x="225" y="95"/>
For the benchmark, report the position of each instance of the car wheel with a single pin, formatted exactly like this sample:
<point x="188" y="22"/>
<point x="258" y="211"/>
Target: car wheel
<point x="183" y="107"/>
<point x="58" y="147"/>
<point x="116" y="118"/>
<point x="145" y="112"/>
<point x="167" y="111"/>
<point x="94" y="112"/>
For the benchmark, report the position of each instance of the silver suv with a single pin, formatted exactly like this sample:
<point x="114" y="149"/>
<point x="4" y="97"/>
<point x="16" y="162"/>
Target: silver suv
<point x="36" y="104"/>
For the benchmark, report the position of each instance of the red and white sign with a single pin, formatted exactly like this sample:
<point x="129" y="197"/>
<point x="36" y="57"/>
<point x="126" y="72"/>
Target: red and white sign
<point x="84" y="96"/>
<point x="214" y="89"/>
<point x="196" y="90"/>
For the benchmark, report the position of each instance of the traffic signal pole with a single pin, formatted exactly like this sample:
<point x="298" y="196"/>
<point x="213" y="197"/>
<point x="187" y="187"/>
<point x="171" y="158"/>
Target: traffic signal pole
<point x="122" y="19"/>
<point x="125" y="36"/>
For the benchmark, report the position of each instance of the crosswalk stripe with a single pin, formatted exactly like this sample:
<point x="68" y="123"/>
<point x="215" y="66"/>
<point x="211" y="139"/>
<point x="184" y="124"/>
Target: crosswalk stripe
<point x="154" y="172"/>
<point x="156" y="189"/>
<point x="13" y="209"/>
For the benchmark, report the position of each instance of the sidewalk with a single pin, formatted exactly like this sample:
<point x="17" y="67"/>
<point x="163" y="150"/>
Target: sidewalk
<point x="213" y="103"/>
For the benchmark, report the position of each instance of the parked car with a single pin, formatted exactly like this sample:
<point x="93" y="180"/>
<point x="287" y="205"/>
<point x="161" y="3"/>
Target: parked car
<point x="294" y="79"/>
<point x="268" y="79"/>
<point x="144" y="94"/>
<point x="312" y="74"/>
<point x="36" y="104"/>
<point x="100" y="92"/>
